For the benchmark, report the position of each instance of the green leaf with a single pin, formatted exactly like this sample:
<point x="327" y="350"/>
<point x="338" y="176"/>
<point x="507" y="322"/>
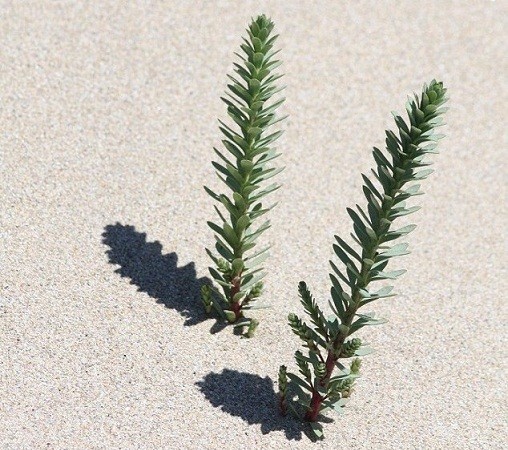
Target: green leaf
<point x="364" y="351"/>
<point x="356" y="219"/>
<point x="257" y="261"/>
<point x="379" y="275"/>
<point x="364" y="320"/>
<point x="362" y="237"/>
<point x="239" y="201"/>
<point x="348" y="249"/>
<point x="217" y="229"/>
<point x="270" y="138"/>
<point x="246" y="285"/>
<point x="257" y="306"/>
<point x="237" y="265"/>
<point x="398" y="233"/>
<point x="341" y="275"/>
<point x="267" y="174"/>
<point x="211" y="193"/>
<point x="343" y="256"/>
<point x="302" y="383"/>
<point x="273" y="107"/>
<point x="246" y="165"/>
<point x="254" y="131"/>
<point x="317" y="429"/>
<point x="337" y="406"/>
<point x="221" y="156"/>
<point x="247" y="246"/>
<point x="257" y="58"/>
<point x="230" y="235"/>
<point x="399" y="212"/>
<point x="256" y="106"/>
<point x="254" y="235"/>
<point x="384" y="292"/>
<point x="233" y="149"/>
<point x="339" y="307"/>
<point x="412" y="190"/>
<point x="269" y="155"/>
<point x="266" y="191"/>
<point x="396" y="250"/>
<point x="230" y="316"/>
<point x="240" y="92"/>
<point x="242" y="223"/>
<point x="229" y="206"/>
<point x="422" y="174"/>
<point x="381" y="159"/>
<point x="247" y="190"/>
<point x="368" y="297"/>
<point x="254" y="255"/>
<point x="242" y="323"/>
<point x="370" y="318"/>
<point x="405" y="230"/>
<point x="254" y="86"/>
<point x="218" y="278"/>
<point x="212" y="256"/>
<point x="238" y="296"/>
<point x="230" y="182"/>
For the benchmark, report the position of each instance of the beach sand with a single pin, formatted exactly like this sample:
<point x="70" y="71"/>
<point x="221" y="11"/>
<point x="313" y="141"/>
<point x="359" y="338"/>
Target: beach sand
<point x="108" y="116"/>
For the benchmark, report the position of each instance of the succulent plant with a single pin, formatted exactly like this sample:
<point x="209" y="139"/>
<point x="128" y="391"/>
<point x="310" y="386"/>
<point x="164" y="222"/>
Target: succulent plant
<point x="244" y="167"/>
<point x="331" y="365"/>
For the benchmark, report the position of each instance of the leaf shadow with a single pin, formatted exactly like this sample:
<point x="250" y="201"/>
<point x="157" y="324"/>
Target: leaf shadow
<point x="252" y="398"/>
<point x="157" y="274"/>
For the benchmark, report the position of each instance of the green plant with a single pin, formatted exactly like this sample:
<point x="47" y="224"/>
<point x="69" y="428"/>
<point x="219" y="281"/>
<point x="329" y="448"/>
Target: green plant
<point x="327" y="340"/>
<point x="244" y="171"/>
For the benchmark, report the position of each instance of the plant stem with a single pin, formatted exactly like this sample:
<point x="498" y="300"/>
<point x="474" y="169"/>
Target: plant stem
<point x="315" y="406"/>
<point x="236" y="306"/>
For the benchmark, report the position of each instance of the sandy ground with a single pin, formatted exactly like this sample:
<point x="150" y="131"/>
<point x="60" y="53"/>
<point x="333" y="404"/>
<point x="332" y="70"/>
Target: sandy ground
<point x="107" y="121"/>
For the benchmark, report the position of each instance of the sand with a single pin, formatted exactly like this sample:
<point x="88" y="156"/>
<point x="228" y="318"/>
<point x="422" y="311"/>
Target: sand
<point x="108" y="117"/>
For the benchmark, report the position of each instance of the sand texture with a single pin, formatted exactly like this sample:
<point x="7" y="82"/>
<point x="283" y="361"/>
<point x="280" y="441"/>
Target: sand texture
<point x="108" y="116"/>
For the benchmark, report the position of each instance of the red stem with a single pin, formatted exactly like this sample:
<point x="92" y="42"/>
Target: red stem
<point x="283" y="405"/>
<point x="315" y="406"/>
<point x="236" y="307"/>
<point x="330" y="365"/>
<point x="317" y="399"/>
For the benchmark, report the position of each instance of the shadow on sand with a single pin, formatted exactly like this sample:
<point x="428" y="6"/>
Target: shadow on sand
<point x="156" y="274"/>
<point x="251" y="398"/>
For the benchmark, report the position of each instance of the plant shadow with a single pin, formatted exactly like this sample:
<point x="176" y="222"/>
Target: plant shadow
<point x="157" y="274"/>
<point x="253" y="399"/>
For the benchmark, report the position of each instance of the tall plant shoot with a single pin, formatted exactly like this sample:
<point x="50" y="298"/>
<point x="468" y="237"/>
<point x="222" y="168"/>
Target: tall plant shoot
<point x="331" y="363"/>
<point x="244" y="168"/>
